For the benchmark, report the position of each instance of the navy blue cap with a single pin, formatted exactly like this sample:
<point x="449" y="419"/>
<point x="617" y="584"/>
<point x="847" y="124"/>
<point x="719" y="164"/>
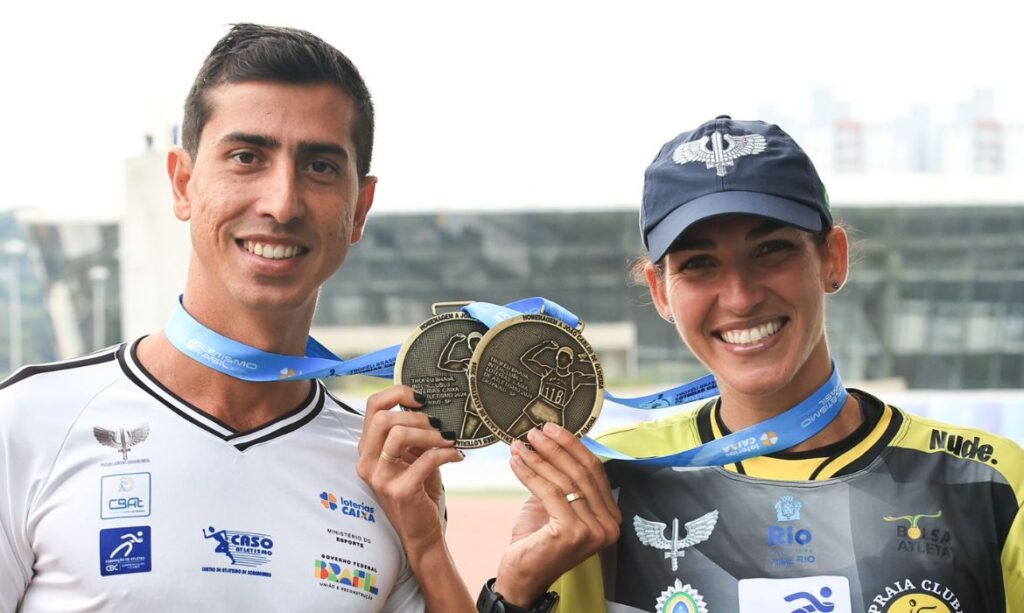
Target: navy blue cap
<point x="727" y="167"/>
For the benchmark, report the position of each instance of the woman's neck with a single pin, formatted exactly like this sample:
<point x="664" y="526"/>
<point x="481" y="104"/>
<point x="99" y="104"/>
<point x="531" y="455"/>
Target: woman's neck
<point x="740" y="410"/>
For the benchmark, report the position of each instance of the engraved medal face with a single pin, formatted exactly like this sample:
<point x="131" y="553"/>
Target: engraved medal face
<point x="435" y="362"/>
<point x="533" y="369"/>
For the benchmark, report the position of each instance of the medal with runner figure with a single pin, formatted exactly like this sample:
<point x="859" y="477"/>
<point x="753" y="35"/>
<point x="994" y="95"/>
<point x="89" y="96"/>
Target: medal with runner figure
<point x="434" y="361"/>
<point x="532" y="369"/>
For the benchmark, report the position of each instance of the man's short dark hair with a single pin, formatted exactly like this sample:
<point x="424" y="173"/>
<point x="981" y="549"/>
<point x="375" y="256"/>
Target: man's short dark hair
<point x="251" y="52"/>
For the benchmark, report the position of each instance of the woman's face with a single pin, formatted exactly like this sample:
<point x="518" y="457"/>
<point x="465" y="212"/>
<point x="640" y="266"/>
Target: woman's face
<point x="748" y="298"/>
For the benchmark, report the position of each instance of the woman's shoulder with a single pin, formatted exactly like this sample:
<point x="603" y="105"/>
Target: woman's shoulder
<point x="671" y="434"/>
<point x="965" y="443"/>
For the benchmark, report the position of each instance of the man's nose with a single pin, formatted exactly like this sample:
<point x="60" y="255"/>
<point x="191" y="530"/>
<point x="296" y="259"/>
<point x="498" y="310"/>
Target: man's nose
<point x="282" y="199"/>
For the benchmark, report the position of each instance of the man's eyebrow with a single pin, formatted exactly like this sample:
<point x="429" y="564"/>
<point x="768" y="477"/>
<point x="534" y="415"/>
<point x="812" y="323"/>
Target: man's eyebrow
<point x="322" y="148"/>
<point x="256" y="140"/>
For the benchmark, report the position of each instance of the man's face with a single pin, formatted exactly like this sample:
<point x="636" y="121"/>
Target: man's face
<point x="273" y="196"/>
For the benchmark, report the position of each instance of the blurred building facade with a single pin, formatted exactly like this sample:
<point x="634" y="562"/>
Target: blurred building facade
<point x="935" y="298"/>
<point x="936" y="295"/>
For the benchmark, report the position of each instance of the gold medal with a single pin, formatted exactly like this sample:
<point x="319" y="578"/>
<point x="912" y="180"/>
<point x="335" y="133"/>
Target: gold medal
<point x="532" y="369"/>
<point x="434" y="361"/>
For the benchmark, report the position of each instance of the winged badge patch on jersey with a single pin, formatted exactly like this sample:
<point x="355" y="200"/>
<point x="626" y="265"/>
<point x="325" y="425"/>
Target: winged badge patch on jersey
<point x="719" y="156"/>
<point x="121" y="440"/>
<point x="652" y="533"/>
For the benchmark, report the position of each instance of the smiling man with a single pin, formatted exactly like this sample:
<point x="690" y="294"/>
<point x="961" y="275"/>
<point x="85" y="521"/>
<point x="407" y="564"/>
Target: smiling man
<point x="141" y="479"/>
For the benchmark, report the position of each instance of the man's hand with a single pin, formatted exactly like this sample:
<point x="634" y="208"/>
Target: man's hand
<point x="552" y="534"/>
<point x="399" y="456"/>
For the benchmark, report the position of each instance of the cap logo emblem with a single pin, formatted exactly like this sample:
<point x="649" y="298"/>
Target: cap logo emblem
<point x="719" y="155"/>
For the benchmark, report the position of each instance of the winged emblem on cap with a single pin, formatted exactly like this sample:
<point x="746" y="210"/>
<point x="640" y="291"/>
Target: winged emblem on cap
<point x="652" y="533"/>
<point x="719" y="155"/>
<point x="121" y="440"/>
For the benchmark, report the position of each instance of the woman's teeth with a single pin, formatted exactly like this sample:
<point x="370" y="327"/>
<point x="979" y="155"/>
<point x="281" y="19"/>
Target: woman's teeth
<point x="751" y="335"/>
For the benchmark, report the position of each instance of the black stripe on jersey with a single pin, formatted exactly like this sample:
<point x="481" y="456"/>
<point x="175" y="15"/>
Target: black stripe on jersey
<point x="895" y="423"/>
<point x="705" y="415"/>
<point x="342" y="404"/>
<point x="289" y="428"/>
<point x="99" y="357"/>
<point x="232" y="433"/>
<point x="871" y="408"/>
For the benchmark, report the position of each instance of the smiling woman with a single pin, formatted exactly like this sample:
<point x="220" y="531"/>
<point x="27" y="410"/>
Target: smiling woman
<point x="743" y="252"/>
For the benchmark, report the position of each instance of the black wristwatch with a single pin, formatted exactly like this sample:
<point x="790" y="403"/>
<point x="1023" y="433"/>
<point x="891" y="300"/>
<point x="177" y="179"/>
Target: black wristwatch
<point x="493" y="602"/>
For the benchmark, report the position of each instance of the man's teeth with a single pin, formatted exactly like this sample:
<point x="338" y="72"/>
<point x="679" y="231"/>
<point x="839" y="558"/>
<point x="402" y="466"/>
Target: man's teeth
<point x="272" y="252"/>
<point x="751" y="335"/>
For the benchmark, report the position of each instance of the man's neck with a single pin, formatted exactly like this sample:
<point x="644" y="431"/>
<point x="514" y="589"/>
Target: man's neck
<point x="242" y="405"/>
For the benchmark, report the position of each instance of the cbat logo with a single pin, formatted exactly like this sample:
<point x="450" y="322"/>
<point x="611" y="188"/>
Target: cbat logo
<point x="242" y="548"/>
<point x="126" y="495"/>
<point x="930" y="540"/>
<point x="125" y="550"/>
<point x="957" y="445"/>
<point x="357" y="578"/>
<point x="347" y="506"/>
<point x="907" y="597"/>
<point x="679" y="598"/>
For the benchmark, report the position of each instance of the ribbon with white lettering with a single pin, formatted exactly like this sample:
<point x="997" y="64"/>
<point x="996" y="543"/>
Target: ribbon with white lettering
<point x="783" y="431"/>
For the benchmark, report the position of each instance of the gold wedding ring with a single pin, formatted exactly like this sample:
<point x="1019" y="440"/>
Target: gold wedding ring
<point x="387" y="457"/>
<point x="572" y="497"/>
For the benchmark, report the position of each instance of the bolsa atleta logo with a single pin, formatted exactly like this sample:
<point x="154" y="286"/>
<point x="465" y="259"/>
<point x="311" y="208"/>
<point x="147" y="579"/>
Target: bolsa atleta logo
<point x="922" y="534"/>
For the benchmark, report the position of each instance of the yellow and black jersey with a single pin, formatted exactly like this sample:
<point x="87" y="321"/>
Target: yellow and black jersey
<point x="905" y="515"/>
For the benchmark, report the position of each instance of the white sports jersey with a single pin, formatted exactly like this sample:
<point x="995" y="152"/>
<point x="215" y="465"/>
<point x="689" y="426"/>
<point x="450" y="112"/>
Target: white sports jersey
<point x="116" y="495"/>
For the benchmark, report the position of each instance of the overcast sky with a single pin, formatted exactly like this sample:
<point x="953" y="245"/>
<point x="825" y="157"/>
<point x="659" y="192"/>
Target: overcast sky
<point x="486" y="102"/>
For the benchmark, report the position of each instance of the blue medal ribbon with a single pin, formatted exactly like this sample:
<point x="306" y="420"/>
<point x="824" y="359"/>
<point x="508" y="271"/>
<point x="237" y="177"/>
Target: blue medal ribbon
<point x="250" y="364"/>
<point x="785" y="430"/>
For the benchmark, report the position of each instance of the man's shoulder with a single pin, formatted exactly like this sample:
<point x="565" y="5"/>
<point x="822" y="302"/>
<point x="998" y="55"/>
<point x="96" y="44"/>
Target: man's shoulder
<point x="44" y="388"/>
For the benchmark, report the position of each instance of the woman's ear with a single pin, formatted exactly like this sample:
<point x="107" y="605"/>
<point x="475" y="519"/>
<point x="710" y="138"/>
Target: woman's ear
<point x="837" y="260"/>
<point x="656" y="285"/>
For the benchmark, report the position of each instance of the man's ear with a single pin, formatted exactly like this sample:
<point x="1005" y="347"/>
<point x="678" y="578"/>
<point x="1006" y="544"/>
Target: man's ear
<point x="179" y="171"/>
<point x="367" y="187"/>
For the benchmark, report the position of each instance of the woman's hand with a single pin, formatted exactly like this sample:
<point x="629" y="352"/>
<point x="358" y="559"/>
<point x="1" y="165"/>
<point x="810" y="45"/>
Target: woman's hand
<point x="399" y="456"/>
<point x="570" y="516"/>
